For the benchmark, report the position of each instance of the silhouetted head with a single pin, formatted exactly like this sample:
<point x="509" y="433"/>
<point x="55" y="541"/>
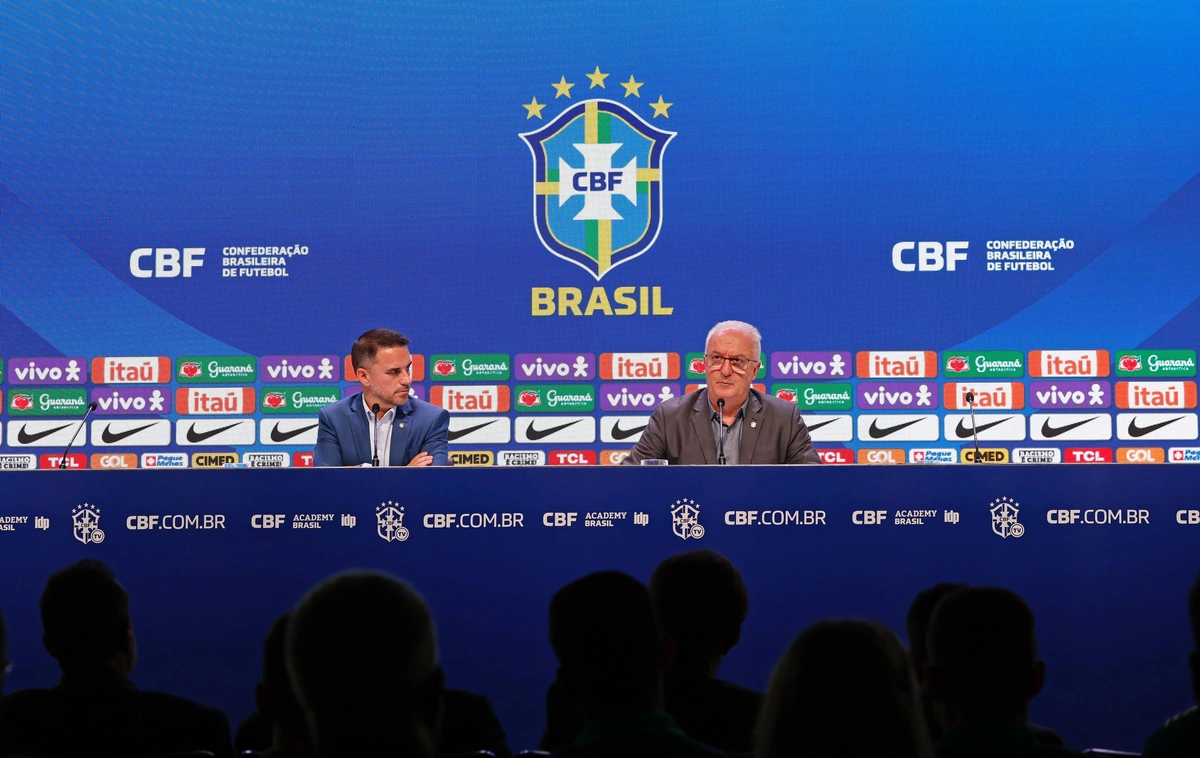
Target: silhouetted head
<point x="844" y="687"/>
<point x="362" y="659"/>
<point x="605" y="632"/>
<point x="702" y="602"/>
<point x="85" y="620"/>
<point x="274" y="693"/>
<point x="916" y="623"/>
<point x="983" y="659"/>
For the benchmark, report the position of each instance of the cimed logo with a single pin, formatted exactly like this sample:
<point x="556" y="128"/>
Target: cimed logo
<point x="85" y="522"/>
<point x="389" y="522"/>
<point x="597" y="177"/>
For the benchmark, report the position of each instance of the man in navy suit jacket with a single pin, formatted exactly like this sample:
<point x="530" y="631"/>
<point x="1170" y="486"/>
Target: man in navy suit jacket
<point x="383" y="419"/>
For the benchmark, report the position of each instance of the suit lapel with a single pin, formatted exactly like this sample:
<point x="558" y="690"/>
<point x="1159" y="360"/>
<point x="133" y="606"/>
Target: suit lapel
<point x="751" y="425"/>
<point x="359" y="414"/>
<point x="702" y="425"/>
<point x="400" y="427"/>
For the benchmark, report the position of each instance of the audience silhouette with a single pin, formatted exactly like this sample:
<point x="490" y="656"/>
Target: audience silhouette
<point x="95" y="710"/>
<point x="1180" y="736"/>
<point x="612" y="655"/>
<point x="5" y="665"/>
<point x="916" y="624"/>
<point x="357" y="701"/>
<point x="983" y="672"/>
<point x="844" y="687"/>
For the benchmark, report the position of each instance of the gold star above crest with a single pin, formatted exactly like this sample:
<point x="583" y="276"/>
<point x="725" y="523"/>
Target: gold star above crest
<point x="632" y="87"/>
<point x="563" y="88"/>
<point x="660" y="108"/>
<point x="597" y="78"/>
<point x="534" y="108"/>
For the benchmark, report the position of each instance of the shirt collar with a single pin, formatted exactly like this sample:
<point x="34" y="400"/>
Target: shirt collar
<point x="634" y="723"/>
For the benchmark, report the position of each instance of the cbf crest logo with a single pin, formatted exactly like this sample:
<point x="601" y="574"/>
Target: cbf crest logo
<point x="685" y="520"/>
<point x="598" y="177"/>
<point x="389" y="522"/>
<point x="85" y="521"/>
<point x="1004" y="517"/>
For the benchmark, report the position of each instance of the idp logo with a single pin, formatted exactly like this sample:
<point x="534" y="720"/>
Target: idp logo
<point x="597" y="178"/>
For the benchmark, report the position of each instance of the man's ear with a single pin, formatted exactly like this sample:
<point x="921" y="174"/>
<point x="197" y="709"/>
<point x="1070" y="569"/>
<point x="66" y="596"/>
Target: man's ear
<point x="1039" y="679"/>
<point x="362" y="376"/>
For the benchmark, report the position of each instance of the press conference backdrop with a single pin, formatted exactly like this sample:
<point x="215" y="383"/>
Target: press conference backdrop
<point x="201" y="208"/>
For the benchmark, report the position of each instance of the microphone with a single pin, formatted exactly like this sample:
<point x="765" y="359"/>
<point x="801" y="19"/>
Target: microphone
<point x="375" y="436"/>
<point x="62" y="463"/>
<point x="721" y="427"/>
<point x="970" y="398"/>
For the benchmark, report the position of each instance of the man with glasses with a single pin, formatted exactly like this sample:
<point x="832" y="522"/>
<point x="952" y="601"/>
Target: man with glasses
<point x="382" y="425"/>
<point x="726" y="422"/>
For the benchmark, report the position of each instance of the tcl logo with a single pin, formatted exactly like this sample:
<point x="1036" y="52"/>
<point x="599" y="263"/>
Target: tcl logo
<point x="168" y="263"/>
<point x="53" y="460"/>
<point x="559" y="519"/>
<point x="572" y="457"/>
<point x="1191" y="518"/>
<point x="302" y="460"/>
<point x="114" y="460"/>
<point x="1088" y="455"/>
<point x="267" y="520"/>
<point x="836" y="456"/>
<point x="930" y="255"/>
<point x="880" y="455"/>
<point x="869" y="518"/>
<point x="1141" y="455"/>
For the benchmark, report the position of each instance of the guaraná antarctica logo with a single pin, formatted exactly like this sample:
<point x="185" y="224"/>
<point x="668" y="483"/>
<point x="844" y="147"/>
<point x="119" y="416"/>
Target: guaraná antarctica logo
<point x="597" y="177"/>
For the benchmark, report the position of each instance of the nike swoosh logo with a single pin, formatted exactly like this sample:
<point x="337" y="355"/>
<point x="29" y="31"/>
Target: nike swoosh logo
<point x="1050" y="431"/>
<point x="965" y="433"/>
<point x="25" y="438"/>
<point x="813" y="427"/>
<point x="195" y="436"/>
<point x="621" y="434"/>
<point x="1142" y="431"/>
<point x="877" y="433"/>
<point x="536" y="434"/>
<point x="110" y="438"/>
<point x="278" y="436"/>
<point x="453" y="435"/>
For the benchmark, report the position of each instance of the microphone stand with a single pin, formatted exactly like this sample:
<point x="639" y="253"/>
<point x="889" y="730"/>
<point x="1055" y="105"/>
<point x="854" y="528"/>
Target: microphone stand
<point x="721" y="431"/>
<point x="62" y="462"/>
<point x="374" y="435"/>
<point x="974" y="434"/>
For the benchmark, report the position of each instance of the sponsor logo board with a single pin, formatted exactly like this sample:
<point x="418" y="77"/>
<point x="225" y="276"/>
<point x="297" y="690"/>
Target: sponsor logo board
<point x="623" y="429"/>
<point x="214" y="432"/>
<point x="836" y="455"/>
<point x="267" y="460"/>
<point x="873" y="427"/>
<point x="471" y="398"/>
<point x="932" y="455"/>
<point x="1088" y="455"/>
<point x="213" y="460"/>
<point x="1058" y="427"/>
<point x="49" y="433"/>
<point x="31" y="371"/>
<point x="1067" y="394"/>
<point x="983" y="364"/>
<point x="131" y="370"/>
<point x="812" y="396"/>
<point x="55" y="460"/>
<point x="613" y="457"/>
<point x="213" y="401"/>
<point x="880" y="455"/>
<point x="1068" y="363"/>
<point x="897" y="395"/>
<point x="288" y="431"/>
<point x="299" y="368"/>
<point x="986" y="396"/>
<point x="991" y="427"/>
<point x="164" y="460"/>
<point x="1036" y="455"/>
<point x="476" y="367"/>
<point x="1157" y="426"/>
<point x="131" y="432"/>
<point x="302" y="459"/>
<point x="693" y="366"/>
<point x="18" y="461"/>
<point x="635" y="396"/>
<point x="474" y="430"/>
<point x="829" y="428"/>
<point x="473" y="457"/>
<point x="115" y="460"/>
<point x="1141" y="455"/>
<point x="534" y="430"/>
<point x="297" y="399"/>
<point x="897" y="364"/>
<point x="1183" y="455"/>
<point x="838" y="364"/>
<point x="554" y="398"/>
<point x="1155" y="395"/>
<point x="985" y="455"/>
<point x="571" y="457"/>
<point x="216" y="369"/>
<point x="639" y="366"/>
<point x="573" y="367"/>
<point x="1156" y="363"/>
<point x="521" y="458"/>
<point x="131" y="401"/>
<point x="48" y="402"/>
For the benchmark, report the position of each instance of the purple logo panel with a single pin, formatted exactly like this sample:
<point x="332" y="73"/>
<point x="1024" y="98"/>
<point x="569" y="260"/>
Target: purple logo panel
<point x="1070" y="394"/>
<point x="300" y="368"/>
<point x="42" y="371"/>
<point x="838" y="364"/>
<point x="112" y="401"/>
<point x="631" y="396"/>
<point x="558" y="367"/>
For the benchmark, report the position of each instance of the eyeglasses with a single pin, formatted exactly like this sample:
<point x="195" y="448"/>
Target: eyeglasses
<point x="714" y="362"/>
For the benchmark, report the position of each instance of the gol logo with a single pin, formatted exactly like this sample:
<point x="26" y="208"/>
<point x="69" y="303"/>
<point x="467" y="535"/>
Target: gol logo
<point x="21" y="402"/>
<point x="114" y="460"/>
<point x="1141" y="454"/>
<point x="880" y="455"/>
<point x="613" y="457"/>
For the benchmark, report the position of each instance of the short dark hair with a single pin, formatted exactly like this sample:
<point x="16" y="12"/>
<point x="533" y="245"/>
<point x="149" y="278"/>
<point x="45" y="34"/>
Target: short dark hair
<point x="916" y="623"/>
<point x="701" y="599"/>
<point x="605" y="632"/>
<point x="284" y="708"/>
<point x="983" y="642"/>
<point x="85" y="613"/>
<point x="1194" y="611"/>
<point x="369" y="343"/>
